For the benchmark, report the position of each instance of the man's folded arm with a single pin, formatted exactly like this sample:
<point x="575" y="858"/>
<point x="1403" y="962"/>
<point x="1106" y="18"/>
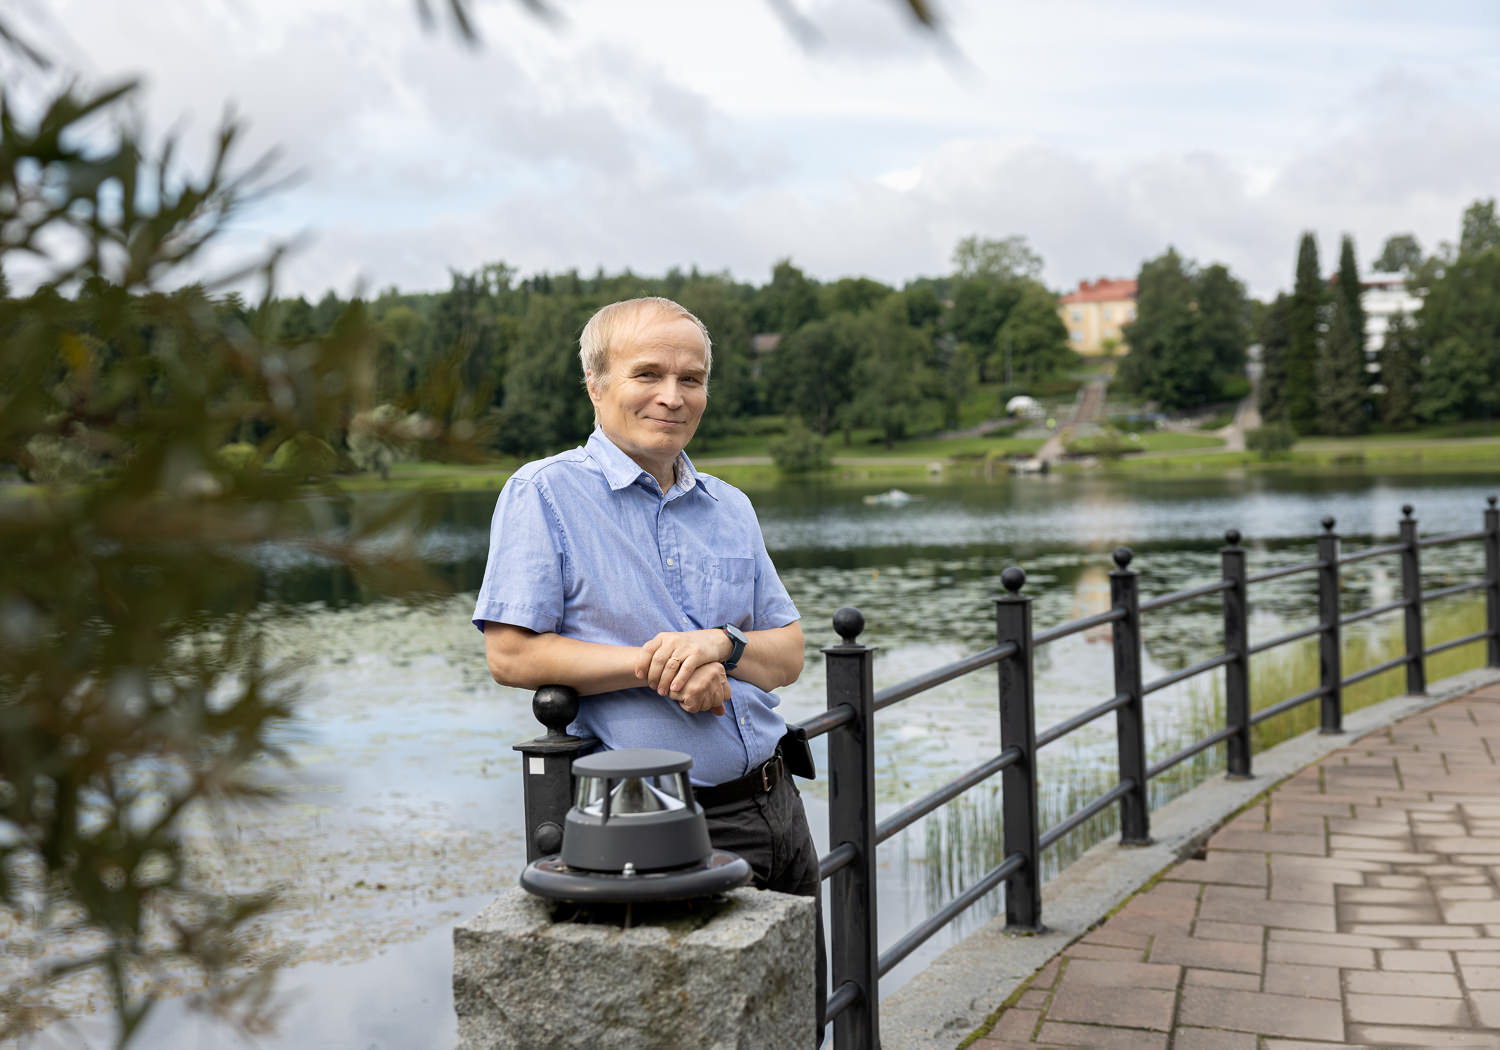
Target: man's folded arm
<point x="773" y="658"/>
<point x="529" y="660"/>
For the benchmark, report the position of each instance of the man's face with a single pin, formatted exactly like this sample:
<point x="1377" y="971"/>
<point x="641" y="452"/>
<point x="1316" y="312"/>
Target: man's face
<point x="650" y="403"/>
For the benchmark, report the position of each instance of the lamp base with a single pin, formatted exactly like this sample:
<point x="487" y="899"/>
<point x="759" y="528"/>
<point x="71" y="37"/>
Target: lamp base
<point x="552" y="879"/>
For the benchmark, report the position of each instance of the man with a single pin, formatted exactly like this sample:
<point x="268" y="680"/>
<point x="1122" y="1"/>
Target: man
<point x="619" y="570"/>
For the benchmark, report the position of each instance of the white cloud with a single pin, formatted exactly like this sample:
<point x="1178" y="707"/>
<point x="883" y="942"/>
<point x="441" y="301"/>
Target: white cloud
<point x="656" y="134"/>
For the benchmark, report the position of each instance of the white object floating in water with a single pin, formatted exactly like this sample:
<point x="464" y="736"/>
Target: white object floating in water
<point x="893" y="498"/>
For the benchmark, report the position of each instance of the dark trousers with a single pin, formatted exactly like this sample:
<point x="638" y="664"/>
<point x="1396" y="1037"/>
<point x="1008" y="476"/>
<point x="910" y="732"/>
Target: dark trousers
<point x="770" y="831"/>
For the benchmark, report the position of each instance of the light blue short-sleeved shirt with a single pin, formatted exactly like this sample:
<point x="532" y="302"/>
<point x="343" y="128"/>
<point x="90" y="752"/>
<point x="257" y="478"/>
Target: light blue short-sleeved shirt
<point x="586" y="545"/>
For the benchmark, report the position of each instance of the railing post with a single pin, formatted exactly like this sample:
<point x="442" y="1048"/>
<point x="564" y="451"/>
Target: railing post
<point x="1330" y="660"/>
<point x="1023" y="889"/>
<point x="1492" y="578"/>
<point x="547" y="769"/>
<point x="1130" y="719"/>
<point x="1411" y="594"/>
<point x="851" y="819"/>
<point x="1237" y="644"/>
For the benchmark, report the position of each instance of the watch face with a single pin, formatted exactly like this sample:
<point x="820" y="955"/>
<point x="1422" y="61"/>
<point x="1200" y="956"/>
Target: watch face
<point x="735" y="633"/>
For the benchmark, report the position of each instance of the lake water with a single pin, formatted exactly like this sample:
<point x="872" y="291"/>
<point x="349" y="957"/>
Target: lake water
<point x="405" y="814"/>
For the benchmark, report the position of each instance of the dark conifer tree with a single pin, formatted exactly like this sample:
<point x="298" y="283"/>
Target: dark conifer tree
<point x="1308" y="296"/>
<point x="1340" y="375"/>
<point x="1350" y="292"/>
<point x="1400" y="361"/>
<point x="1275" y="338"/>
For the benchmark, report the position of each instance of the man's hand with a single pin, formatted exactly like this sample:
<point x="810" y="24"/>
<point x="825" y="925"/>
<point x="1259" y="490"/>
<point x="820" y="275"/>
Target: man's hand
<point x="707" y="690"/>
<point x="669" y="661"/>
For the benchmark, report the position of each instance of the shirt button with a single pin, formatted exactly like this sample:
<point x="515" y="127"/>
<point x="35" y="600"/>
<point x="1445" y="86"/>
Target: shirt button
<point x="669" y="561"/>
<point x="745" y="721"/>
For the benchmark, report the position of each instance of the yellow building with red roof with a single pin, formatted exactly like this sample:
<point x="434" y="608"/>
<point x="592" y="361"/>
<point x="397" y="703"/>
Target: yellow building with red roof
<point x="1095" y="314"/>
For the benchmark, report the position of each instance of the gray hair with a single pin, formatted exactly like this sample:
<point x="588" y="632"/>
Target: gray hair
<point x="605" y="326"/>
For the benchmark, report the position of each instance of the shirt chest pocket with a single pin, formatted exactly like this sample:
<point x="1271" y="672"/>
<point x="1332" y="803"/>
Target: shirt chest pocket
<point x="728" y="591"/>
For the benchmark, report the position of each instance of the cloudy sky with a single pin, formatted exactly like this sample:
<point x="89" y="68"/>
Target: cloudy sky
<point x="732" y="133"/>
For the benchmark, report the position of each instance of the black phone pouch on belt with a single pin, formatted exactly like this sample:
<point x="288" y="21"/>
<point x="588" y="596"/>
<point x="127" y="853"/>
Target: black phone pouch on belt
<point x="796" y="753"/>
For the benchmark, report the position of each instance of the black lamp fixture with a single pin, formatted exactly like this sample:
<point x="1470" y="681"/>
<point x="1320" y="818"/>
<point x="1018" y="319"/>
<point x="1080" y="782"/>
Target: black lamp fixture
<point x="634" y="834"/>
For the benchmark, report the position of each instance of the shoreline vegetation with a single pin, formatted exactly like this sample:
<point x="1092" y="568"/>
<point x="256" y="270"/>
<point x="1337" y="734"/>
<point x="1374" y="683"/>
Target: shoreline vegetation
<point x="983" y="459"/>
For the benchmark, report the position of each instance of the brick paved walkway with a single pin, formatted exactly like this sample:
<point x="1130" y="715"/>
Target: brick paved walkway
<point x="1356" y="904"/>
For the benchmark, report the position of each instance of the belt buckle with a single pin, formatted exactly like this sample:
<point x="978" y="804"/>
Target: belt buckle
<point x="765" y="774"/>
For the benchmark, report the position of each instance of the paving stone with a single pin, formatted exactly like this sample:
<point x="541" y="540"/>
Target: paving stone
<point x="1337" y="940"/>
<point x="1104" y="951"/>
<point x="1128" y="1007"/>
<point x="1484" y="978"/>
<point x="1383" y="895"/>
<point x="1235" y="904"/>
<point x="1034" y="999"/>
<point x="1410" y="960"/>
<point x="1305" y="891"/>
<point x="1229" y="931"/>
<point x="1116" y="938"/>
<point x="1211" y="1039"/>
<point x="1310" y="982"/>
<point x="1118" y="974"/>
<point x="1396" y="1036"/>
<point x="1269" y="842"/>
<point x="1210" y="955"/>
<point x="1377" y="982"/>
<point x="1016" y="1024"/>
<point x="1471" y="911"/>
<point x="1318" y="955"/>
<point x="1047" y="974"/>
<point x="1262" y="1013"/>
<point x="1220" y="867"/>
<point x="1486" y="1008"/>
<point x="1103" y="1038"/>
<point x="1406" y="1010"/>
<point x="1249" y="982"/>
<point x="1388" y="913"/>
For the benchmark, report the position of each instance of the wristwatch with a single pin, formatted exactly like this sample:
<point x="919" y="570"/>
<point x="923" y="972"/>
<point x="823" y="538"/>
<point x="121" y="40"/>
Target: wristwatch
<point x="737" y="639"/>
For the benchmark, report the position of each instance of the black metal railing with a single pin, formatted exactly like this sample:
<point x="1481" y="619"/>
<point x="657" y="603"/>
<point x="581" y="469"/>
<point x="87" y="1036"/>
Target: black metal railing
<point x="852" y="701"/>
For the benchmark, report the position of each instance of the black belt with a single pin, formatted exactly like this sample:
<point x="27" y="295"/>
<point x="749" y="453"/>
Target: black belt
<point x="759" y="781"/>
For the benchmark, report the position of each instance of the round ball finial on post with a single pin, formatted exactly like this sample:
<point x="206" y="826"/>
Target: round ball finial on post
<point x="848" y="622"/>
<point x="1328" y="523"/>
<point x="555" y="706"/>
<point x="1491" y="500"/>
<point x="1406" y="510"/>
<point x="1232" y="537"/>
<point x="1013" y="579"/>
<point x="1123" y="557"/>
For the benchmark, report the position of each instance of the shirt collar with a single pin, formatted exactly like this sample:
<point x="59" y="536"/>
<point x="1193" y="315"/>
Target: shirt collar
<point x="620" y="471"/>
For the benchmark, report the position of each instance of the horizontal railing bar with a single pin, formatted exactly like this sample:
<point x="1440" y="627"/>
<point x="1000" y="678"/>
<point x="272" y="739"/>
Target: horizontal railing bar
<point x="828" y="720"/>
<point x="1080" y="720"/>
<point x="1457" y="588"/>
<point x="1372" y="552"/>
<point x="915" y="939"/>
<point x="1456" y="537"/>
<point x="1187" y="595"/>
<point x="948" y="792"/>
<point x="1283" y="639"/>
<point x="838" y="858"/>
<point x="1188" y="672"/>
<point x="1286" y="705"/>
<point x="912" y="686"/>
<point x="1285" y="570"/>
<point x="842" y="998"/>
<point x="1191" y="750"/>
<point x="1378" y="610"/>
<point x="1370" y="672"/>
<point x="1099" y="804"/>
<point x="1062" y="630"/>
<point x="1454" y="643"/>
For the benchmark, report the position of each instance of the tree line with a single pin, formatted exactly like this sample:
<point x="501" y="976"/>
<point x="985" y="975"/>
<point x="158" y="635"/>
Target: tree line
<point x="1441" y="365"/>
